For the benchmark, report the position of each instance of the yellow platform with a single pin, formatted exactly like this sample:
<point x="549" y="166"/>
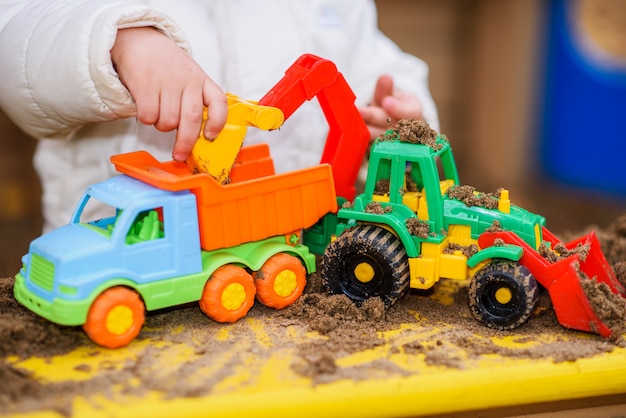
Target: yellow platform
<point x="253" y="368"/>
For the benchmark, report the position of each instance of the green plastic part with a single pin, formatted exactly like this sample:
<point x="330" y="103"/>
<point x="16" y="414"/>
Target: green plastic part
<point x="167" y="292"/>
<point x="428" y="171"/>
<point x="506" y="251"/>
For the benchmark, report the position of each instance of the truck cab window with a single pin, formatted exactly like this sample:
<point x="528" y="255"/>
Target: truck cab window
<point x="147" y="226"/>
<point x="96" y="215"/>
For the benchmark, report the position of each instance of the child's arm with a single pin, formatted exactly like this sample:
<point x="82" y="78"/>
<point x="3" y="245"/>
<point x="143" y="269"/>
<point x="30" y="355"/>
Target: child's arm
<point x="57" y="72"/>
<point x="401" y="95"/>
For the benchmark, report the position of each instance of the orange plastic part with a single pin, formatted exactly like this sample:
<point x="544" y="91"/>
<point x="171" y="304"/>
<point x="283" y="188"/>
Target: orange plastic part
<point x="242" y="211"/>
<point x="115" y="317"/>
<point x="572" y="307"/>
<point x="280" y="282"/>
<point x="228" y="295"/>
<point x="252" y="162"/>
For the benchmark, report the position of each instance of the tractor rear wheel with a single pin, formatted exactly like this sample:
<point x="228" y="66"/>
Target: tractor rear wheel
<point x="281" y="281"/>
<point x="366" y="261"/>
<point x="115" y="317"/>
<point x="503" y="295"/>
<point x="228" y="295"/>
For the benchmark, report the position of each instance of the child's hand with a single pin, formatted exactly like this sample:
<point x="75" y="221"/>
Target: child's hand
<point x="169" y="88"/>
<point x="388" y="104"/>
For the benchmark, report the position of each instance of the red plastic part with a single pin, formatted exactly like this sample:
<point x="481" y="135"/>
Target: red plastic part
<point x="348" y="137"/>
<point x="571" y="305"/>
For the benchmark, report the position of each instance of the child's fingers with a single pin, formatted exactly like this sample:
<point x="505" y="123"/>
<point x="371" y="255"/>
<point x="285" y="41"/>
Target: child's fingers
<point x="189" y="123"/>
<point x="374" y="115"/>
<point x="170" y="111"/>
<point x="192" y="103"/>
<point x="217" y="108"/>
<point x="147" y="103"/>
<point x="384" y="88"/>
<point x="402" y="106"/>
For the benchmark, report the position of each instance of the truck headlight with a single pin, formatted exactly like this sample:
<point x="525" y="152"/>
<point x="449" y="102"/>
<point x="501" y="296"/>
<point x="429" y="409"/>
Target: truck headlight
<point x="68" y="290"/>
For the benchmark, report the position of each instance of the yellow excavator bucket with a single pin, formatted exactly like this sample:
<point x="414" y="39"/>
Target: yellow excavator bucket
<point x="217" y="156"/>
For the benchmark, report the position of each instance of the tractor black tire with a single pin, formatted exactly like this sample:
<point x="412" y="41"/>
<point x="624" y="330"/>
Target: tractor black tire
<point x="503" y="295"/>
<point x="366" y="261"/>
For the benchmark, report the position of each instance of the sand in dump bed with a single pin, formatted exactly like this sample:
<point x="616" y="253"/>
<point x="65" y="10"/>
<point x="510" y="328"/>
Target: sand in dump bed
<point x="449" y="337"/>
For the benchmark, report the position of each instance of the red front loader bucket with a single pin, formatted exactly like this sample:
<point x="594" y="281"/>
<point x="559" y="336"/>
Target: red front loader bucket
<point x="572" y="306"/>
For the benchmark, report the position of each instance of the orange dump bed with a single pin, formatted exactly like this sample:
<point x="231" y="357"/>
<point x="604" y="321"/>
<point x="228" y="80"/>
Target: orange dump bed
<point x="245" y="210"/>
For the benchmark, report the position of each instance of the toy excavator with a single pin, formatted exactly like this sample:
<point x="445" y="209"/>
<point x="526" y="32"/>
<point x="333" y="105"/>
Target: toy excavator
<point x="223" y="228"/>
<point x="412" y="226"/>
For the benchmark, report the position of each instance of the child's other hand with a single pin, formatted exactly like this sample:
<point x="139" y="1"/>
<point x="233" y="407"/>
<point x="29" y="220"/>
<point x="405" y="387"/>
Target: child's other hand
<point x="388" y="104"/>
<point x="169" y="88"/>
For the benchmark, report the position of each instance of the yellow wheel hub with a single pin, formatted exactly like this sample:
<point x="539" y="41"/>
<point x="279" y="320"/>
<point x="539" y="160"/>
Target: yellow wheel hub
<point x="119" y="320"/>
<point x="364" y="272"/>
<point x="285" y="283"/>
<point x="233" y="296"/>
<point x="504" y="295"/>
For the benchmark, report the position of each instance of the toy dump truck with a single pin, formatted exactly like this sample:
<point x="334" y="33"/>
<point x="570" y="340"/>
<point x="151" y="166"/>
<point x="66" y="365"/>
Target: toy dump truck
<point x="414" y="224"/>
<point x="218" y="230"/>
<point x="174" y="238"/>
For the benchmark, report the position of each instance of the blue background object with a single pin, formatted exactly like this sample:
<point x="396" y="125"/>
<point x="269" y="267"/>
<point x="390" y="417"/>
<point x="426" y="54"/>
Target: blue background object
<point x="583" y="125"/>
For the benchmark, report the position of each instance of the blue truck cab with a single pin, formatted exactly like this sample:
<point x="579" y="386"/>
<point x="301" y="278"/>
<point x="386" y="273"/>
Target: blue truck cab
<point x="151" y="235"/>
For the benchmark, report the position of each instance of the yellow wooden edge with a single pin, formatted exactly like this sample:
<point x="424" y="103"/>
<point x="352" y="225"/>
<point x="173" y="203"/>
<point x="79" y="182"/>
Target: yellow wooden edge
<point x="444" y="391"/>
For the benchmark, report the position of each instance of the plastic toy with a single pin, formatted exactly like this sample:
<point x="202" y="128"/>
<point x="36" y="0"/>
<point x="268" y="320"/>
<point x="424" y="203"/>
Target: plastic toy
<point x="222" y="230"/>
<point x="223" y="150"/>
<point x="202" y="231"/>
<point x="408" y="229"/>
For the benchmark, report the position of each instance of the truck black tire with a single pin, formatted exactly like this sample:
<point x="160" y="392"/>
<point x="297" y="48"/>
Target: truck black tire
<point x="366" y="261"/>
<point x="503" y="295"/>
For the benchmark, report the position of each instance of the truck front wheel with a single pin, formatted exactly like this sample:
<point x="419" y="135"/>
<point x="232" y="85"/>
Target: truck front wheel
<point x="503" y="295"/>
<point x="366" y="261"/>
<point x="115" y="317"/>
<point x="228" y="295"/>
<point x="281" y="281"/>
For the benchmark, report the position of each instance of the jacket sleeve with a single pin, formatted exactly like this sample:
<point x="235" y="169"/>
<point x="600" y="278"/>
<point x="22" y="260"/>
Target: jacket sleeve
<point x="374" y="54"/>
<point x="55" y="66"/>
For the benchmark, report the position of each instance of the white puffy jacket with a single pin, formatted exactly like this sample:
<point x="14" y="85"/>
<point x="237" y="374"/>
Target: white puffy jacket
<point x="58" y="85"/>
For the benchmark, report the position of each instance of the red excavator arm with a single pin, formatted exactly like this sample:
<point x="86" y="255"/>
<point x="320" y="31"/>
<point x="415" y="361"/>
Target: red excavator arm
<point x="348" y="137"/>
